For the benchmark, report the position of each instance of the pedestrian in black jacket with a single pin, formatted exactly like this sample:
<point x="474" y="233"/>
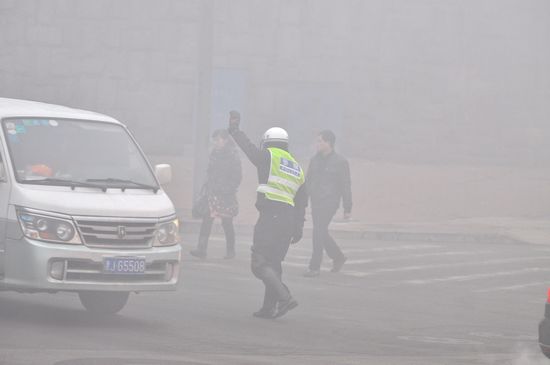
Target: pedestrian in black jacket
<point x="281" y="202"/>
<point x="329" y="184"/>
<point x="223" y="178"/>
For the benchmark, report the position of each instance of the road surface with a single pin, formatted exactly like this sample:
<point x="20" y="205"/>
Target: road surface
<point x="394" y="303"/>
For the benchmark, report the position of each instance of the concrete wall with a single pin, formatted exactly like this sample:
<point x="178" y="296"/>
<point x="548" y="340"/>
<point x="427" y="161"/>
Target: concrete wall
<point x="422" y="81"/>
<point x="134" y="60"/>
<point x="405" y="82"/>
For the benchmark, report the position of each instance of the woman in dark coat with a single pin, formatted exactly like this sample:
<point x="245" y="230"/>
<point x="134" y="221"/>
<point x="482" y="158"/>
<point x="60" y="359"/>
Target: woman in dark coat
<point x="223" y="178"/>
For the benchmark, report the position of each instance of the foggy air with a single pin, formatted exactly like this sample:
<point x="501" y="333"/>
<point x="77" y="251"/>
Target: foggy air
<point x="287" y="182"/>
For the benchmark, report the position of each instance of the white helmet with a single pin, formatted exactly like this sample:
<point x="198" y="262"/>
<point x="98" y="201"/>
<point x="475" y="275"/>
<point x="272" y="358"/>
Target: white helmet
<point x="275" y="134"/>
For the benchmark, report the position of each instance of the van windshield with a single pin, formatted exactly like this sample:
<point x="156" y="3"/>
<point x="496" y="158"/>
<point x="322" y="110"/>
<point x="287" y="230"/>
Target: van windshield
<point x="84" y="153"/>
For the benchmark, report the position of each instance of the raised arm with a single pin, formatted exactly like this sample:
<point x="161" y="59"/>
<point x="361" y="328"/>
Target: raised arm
<point x="254" y="154"/>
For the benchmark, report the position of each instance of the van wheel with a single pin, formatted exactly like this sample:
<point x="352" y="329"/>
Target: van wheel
<point x="102" y="302"/>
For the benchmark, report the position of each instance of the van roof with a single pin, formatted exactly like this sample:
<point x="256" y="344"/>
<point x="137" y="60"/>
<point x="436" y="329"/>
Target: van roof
<point x="10" y="108"/>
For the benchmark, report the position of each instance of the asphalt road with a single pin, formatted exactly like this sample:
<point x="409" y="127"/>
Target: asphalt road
<point x="394" y="303"/>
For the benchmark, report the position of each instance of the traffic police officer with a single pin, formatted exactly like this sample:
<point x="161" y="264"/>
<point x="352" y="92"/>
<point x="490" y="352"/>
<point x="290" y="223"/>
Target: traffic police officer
<point x="281" y="202"/>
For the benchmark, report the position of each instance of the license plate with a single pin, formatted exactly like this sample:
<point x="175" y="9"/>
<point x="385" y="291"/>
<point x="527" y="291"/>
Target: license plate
<point x="124" y="265"/>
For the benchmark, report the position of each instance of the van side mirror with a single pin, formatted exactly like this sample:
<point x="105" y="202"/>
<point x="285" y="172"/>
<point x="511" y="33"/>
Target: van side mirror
<point x="164" y="173"/>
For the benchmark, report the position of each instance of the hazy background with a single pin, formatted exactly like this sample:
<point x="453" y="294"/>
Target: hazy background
<point x="442" y="106"/>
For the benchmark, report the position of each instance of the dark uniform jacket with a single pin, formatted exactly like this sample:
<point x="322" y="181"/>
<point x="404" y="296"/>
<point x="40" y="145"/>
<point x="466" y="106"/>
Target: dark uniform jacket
<point x="329" y="182"/>
<point x="261" y="158"/>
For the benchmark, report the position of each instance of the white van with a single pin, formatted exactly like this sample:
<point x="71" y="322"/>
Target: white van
<point x="81" y="209"/>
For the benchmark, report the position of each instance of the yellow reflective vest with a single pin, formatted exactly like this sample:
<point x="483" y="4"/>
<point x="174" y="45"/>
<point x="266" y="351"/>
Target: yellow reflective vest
<point x="285" y="177"/>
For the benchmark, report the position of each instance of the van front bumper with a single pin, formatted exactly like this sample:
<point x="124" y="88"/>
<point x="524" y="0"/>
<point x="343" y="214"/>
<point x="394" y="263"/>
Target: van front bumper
<point x="35" y="266"/>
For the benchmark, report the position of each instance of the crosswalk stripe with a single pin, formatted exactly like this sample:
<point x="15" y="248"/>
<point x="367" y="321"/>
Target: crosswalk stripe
<point x="453" y="253"/>
<point x="362" y="274"/>
<point x="513" y="287"/>
<point x="460" y="278"/>
<point x="376" y="249"/>
<point x="404" y="248"/>
<point x="461" y="264"/>
<point x="389" y="258"/>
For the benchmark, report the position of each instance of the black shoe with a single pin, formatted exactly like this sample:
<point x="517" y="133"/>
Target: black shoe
<point x="265" y="313"/>
<point x="284" y="306"/>
<point x="198" y="253"/>
<point x="338" y="264"/>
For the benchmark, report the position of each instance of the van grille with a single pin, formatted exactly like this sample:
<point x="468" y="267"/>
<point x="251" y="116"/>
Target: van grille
<point x="118" y="234"/>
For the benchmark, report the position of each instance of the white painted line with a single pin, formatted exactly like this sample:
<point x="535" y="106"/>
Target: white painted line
<point x="298" y="259"/>
<point x="459" y="278"/>
<point x="513" y="287"/>
<point x="517" y="337"/>
<point x="360" y="262"/>
<point x="374" y="249"/>
<point x="357" y="274"/>
<point x="404" y="248"/>
<point x="362" y="274"/>
<point x="461" y="264"/>
<point x="355" y="250"/>
<point x="295" y="264"/>
<point x="452" y="253"/>
<point x="292" y="257"/>
<point x="440" y="340"/>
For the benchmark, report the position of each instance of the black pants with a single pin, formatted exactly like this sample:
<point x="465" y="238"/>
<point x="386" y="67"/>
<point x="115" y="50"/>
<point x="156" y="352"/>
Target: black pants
<point x="322" y="240"/>
<point x="272" y="235"/>
<point x="206" y="229"/>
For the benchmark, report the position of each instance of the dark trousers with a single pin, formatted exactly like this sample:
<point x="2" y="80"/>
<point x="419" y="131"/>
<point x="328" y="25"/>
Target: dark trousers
<point x="322" y="240"/>
<point x="206" y="229"/>
<point x="272" y="235"/>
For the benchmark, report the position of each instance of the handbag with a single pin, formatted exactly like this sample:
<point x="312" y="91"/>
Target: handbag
<point x="201" y="207"/>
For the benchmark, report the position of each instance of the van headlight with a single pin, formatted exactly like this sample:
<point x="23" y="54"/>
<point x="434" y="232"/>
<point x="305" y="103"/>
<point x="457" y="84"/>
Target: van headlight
<point x="167" y="233"/>
<point x="45" y="228"/>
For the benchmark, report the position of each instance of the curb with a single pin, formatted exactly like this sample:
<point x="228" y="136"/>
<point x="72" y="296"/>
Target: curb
<point x="193" y="227"/>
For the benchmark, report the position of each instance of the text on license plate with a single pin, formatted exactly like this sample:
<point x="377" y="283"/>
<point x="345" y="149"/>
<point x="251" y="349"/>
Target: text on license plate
<point x="124" y="265"/>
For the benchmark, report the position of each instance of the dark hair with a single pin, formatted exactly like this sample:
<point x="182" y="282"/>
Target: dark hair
<point x="328" y="136"/>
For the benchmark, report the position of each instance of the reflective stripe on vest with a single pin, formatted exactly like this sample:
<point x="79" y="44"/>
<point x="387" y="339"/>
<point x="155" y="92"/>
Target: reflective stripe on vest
<point x="285" y="177"/>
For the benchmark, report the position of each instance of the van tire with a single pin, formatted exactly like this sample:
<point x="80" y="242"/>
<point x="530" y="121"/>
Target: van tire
<point x="103" y="302"/>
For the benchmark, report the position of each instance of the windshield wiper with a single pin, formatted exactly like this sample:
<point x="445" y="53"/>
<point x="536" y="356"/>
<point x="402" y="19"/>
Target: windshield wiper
<point x="64" y="182"/>
<point x="123" y="181"/>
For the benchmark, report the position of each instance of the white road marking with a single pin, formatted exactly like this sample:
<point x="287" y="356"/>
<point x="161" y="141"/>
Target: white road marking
<point x="440" y="340"/>
<point x="404" y="248"/>
<point x="361" y="274"/>
<point x="376" y="249"/>
<point x="452" y="253"/>
<point x="357" y="274"/>
<point x="513" y="287"/>
<point x="459" y="278"/>
<point x="295" y="264"/>
<point x="516" y="337"/>
<point x="298" y="259"/>
<point x="355" y="250"/>
<point x="293" y="257"/>
<point x="460" y="264"/>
